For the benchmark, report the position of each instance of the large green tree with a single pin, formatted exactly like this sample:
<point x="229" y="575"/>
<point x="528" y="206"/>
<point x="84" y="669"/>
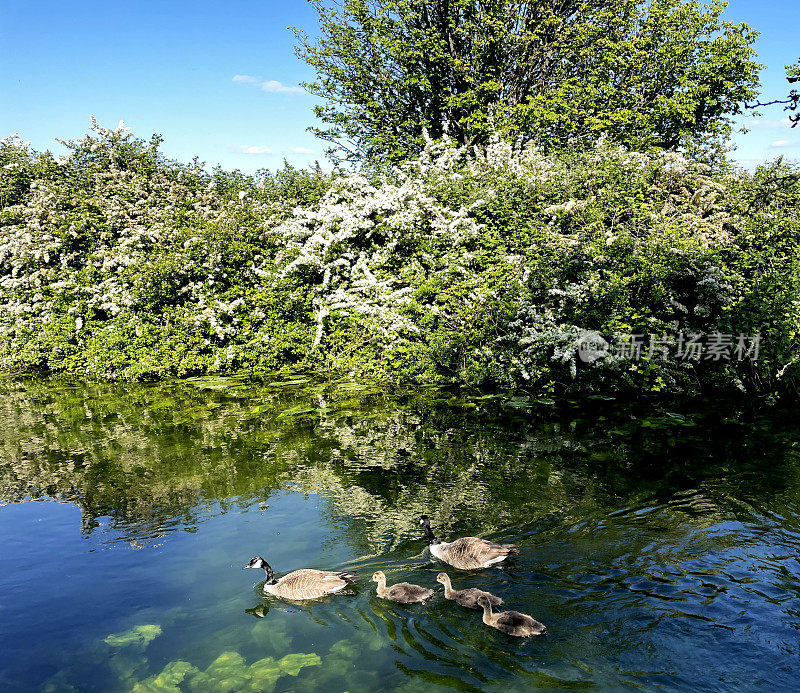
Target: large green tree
<point x="650" y="73"/>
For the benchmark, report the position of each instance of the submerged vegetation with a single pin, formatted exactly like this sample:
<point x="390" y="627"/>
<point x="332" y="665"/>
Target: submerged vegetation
<point x="228" y="672"/>
<point x="482" y="267"/>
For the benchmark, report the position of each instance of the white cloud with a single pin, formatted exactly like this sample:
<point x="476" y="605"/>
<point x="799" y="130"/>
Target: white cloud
<point x="781" y="143"/>
<point x="270" y="85"/>
<point x="275" y="86"/>
<point x="254" y="149"/>
<point x="767" y="123"/>
<point x="301" y="150"/>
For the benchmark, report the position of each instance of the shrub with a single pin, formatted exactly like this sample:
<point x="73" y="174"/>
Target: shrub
<point x="486" y="267"/>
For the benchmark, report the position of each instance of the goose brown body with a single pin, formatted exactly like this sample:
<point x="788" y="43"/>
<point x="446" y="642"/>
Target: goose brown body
<point x="403" y="592"/>
<point x="467" y="553"/>
<point x="468" y="597"/>
<point x="511" y="622"/>
<point x="306" y="583"/>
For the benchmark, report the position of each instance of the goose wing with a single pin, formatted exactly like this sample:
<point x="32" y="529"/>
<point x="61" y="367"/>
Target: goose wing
<point x="407" y="593"/>
<point x="470" y="553"/>
<point x="518" y="623"/>
<point x="308" y="583"/>
<point x="513" y="619"/>
<point x="469" y="598"/>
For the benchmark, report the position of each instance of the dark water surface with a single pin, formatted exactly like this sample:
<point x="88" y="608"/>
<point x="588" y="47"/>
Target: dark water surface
<point x="661" y="547"/>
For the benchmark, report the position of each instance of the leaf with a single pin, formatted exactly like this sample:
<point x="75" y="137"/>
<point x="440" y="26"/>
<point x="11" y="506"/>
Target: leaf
<point x="295" y="411"/>
<point x="517" y="402"/>
<point x="213" y="382"/>
<point x="261" y="409"/>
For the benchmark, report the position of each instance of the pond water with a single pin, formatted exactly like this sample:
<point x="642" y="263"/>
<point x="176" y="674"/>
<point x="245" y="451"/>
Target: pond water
<point x="660" y="546"/>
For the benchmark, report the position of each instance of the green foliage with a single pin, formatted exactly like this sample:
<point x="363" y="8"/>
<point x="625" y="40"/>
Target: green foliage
<point x="290" y="185"/>
<point x="793" y="102"/>
<point x="135" y="258"/>
<point x="483" y="268"/>
<point x="666" y="74"/>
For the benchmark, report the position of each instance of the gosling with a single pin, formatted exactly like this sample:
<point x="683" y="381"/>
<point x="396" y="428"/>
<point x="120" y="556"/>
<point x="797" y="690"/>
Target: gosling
<point x="511" y="622"/>
<point x="468" y="597"/>
<point x="402" y="592"/>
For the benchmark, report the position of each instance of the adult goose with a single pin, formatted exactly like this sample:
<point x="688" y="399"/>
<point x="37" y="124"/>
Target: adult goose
<point x="511" y="622"/>
<point x="403" y="592"/>
<point x="467" y="597"/>
<point x="305" y="583"/>
<point x="467" y="553"/>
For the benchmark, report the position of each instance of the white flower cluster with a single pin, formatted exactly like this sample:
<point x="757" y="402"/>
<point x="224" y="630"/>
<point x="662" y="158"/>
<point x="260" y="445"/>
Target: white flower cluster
<point x="360" y="234"/>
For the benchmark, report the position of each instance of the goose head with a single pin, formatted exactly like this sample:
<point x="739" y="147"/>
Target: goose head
<point x="425" y="523"/>
<point x="378" y="576"/>
<point x="444" y="578"/>
<point x="483" y="601"/>
<point x="257" y="562"/>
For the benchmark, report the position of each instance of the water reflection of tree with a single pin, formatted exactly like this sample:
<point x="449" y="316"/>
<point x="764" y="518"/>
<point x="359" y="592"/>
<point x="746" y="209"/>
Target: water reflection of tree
<point x="153" y="458"/>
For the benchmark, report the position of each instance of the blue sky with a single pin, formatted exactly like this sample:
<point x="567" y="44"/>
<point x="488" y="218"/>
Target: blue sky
<point x="171" y="68"/>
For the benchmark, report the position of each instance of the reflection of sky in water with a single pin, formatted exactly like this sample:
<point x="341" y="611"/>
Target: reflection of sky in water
<point x="658" y="557"/>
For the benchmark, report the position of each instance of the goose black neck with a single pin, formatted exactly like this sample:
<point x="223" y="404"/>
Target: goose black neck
<point x="270" y="575"/>
<point x="429" y="532"/>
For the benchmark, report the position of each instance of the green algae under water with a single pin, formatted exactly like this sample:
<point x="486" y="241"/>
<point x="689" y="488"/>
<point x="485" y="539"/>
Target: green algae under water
<point x="660" y="545"/>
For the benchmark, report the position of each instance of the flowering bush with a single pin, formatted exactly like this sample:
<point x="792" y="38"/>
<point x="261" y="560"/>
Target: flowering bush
<point x="481" y="267"/>
<point x="119" y="264"/>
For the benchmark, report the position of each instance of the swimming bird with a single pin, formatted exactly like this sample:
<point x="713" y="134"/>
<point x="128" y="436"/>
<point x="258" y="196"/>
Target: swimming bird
<point x="467" y="597"/>
<point x="402" y="592"/>
<point x="511" y="622"/>
<point x="305" y="583"/>
<point x="467" y="553"/>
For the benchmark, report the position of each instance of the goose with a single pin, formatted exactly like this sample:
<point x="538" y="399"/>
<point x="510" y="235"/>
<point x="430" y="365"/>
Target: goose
<point x="511" y="622"/>
<point x="468" y="597"/>
<point x="402" y="592"/>
<point x="467" y="553"/>
<point x="305" y="583"/>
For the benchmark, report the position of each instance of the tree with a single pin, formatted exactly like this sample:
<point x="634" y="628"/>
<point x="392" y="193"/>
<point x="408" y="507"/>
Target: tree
<point x="650" y="73"/>
<point x="792" y="103"/>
